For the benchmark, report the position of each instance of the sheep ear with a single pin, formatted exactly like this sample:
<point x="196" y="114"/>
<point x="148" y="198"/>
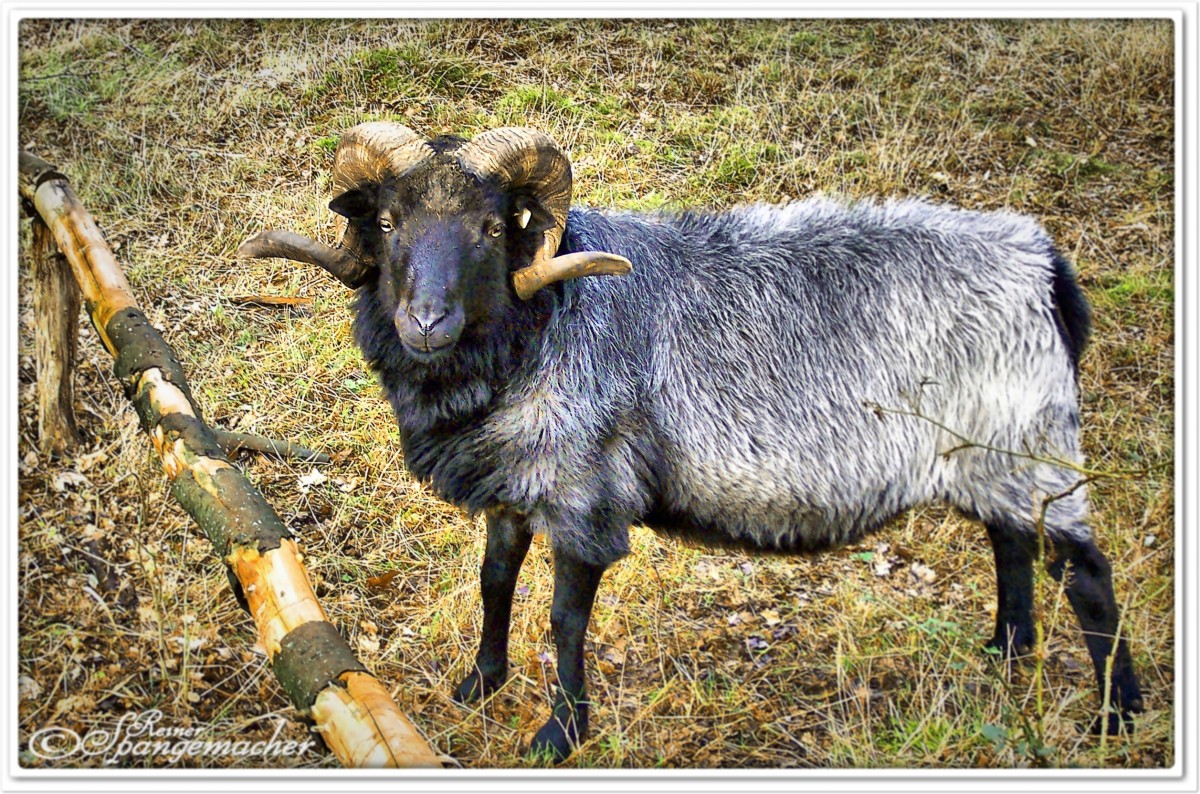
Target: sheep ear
<point x="354" y="204"/>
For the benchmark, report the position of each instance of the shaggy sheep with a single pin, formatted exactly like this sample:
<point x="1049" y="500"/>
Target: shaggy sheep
<point x="727" y="390"/>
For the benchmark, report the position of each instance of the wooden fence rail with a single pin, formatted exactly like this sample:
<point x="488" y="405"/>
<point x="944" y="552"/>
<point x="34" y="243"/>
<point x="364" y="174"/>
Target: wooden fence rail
<point x="351" y="709"/>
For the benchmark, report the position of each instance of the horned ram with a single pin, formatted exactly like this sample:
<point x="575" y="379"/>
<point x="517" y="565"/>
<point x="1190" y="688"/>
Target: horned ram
<point x="729" y="388"/>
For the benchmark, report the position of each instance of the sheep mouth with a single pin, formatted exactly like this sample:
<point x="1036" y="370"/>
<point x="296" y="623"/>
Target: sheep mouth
<point x="426" y="354"/>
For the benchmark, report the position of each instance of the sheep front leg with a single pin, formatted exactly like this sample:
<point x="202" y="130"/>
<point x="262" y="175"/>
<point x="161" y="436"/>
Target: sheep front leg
<point x="575" y="585"/>
<point x="508" y="539"/>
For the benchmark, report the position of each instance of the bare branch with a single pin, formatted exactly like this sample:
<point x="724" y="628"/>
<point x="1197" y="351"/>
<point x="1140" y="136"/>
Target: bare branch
<point x="1089" y="474"/>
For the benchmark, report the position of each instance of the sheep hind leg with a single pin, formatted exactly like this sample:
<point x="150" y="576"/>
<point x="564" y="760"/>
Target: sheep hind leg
<point x="1014" y="552"/>
<point x="1072" y="558"/>
<point x="1089" y="590"/>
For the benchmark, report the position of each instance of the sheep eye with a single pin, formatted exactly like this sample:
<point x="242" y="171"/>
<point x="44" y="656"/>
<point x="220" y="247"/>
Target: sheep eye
<point x="495" y="229"/>
<point x="386" y="225"/>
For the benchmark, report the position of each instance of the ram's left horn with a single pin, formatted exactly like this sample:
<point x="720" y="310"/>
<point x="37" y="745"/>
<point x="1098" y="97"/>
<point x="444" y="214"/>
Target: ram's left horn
<point x="528" y="280"/>
<point x="340" y="262"/>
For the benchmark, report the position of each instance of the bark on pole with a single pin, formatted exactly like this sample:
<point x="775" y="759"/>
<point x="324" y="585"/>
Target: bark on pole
<point x="352" y="710"/>
<point x="56" y="342"/>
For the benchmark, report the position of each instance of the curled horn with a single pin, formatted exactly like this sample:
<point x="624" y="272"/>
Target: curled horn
<point x="524" y="158"/>
<point x="373" y="151"/>
<point x="366" y="154"/>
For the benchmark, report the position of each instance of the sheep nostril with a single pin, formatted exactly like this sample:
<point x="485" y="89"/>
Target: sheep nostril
<point x="428" y="325"/>
<point x="425" y="321"/>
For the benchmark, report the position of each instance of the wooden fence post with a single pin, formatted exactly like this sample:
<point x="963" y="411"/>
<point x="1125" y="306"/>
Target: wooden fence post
<point x="56" y="307"/>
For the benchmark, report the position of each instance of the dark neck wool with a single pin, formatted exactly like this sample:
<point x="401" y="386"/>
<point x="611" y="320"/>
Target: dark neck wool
<point x="438" y="404"/>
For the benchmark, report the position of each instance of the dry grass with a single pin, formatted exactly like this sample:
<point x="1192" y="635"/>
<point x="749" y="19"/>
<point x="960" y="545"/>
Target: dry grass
<point x="183" y="139"/>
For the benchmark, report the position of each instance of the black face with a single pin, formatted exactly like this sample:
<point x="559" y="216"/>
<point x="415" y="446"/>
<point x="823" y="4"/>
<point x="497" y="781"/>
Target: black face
<point x="446" y="244"/>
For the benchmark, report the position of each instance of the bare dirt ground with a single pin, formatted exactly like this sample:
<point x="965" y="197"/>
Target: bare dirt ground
<point x="183" y="138"/>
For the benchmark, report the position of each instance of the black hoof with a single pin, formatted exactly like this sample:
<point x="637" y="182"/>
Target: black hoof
<point x="476" y="686"/>
<point x="1112" y="724"/>
<point x="554" y="742"/>
<point x="1009" y="648"/>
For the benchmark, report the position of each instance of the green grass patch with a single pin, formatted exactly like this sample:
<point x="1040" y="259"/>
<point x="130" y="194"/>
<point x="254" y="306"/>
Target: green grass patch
<point x="1077" y="165"/>
<point x="1122" y="290"/>
<point x="539" y="99"/>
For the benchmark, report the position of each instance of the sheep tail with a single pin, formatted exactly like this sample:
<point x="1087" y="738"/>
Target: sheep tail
<point x="1072" y="313"/>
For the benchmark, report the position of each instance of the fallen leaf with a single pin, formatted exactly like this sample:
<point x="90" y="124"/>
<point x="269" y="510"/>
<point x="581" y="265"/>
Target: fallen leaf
<point x="193" y="644"/>
<point x="314" y="477"/>
<point x="923" y="573"/>
<point x="781" y="632"/>
<point x="615" y="653"/>
<point x="28" y="689"/>
<point x="882" y="562"/>
<point x="771" y="616"/>
<point x="382" y="580"/>
<point x="74" y="704"/>
<point x="1069" y="664"/>
<point x="91" y="460"/>
<point x="69" y="479"/>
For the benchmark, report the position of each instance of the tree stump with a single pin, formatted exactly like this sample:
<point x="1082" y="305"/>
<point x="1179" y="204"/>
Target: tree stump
<point x="56" y="304"/>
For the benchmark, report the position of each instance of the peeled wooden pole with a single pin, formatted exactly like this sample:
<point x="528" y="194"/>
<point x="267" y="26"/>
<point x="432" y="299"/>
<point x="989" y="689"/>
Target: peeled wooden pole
<point x="359" y="722"/>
